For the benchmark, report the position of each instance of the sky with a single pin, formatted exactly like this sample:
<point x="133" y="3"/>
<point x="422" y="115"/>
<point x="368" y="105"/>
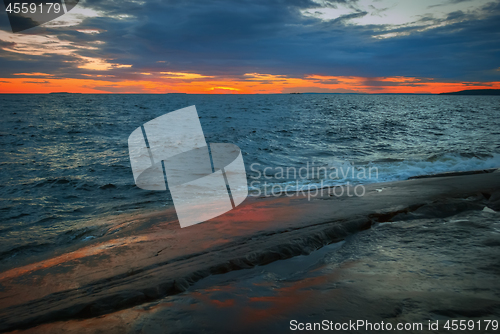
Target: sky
<point x="256" y="46"/>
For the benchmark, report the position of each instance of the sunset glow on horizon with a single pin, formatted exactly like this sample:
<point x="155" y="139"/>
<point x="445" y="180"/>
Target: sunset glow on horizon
<point x="252" y="83"/>
<point x="312" y="46"/>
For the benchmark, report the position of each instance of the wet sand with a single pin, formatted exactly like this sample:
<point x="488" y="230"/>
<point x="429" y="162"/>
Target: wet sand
<point x="152" y="270"/>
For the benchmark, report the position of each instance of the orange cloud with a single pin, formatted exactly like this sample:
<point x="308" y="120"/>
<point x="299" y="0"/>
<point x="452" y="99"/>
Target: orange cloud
<point x="225" y="89"/>
<point x="182" y="75"/>
<point x="250" y="83"/>
<point x="34" y="74"/>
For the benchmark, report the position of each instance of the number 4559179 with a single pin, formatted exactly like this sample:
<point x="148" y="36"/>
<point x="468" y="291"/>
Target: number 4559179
<point x="463" y="325"/>
<point x="25" y="8"/>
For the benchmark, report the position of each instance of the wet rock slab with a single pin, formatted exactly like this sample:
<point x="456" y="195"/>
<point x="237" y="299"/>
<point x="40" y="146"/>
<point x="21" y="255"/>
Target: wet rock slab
<point x="137" y="266"/>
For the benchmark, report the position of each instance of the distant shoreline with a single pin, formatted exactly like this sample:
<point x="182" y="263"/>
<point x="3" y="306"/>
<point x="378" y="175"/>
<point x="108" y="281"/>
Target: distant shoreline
<point x="474" y="92"/>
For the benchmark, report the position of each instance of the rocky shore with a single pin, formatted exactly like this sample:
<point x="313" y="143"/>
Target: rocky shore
<point x="416" y="250"/>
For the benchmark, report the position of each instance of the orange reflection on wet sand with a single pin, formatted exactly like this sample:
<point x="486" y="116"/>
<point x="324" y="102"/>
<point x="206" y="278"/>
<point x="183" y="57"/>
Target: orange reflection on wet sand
<point x="286" y="299"/>
<point x="81" y="253"/>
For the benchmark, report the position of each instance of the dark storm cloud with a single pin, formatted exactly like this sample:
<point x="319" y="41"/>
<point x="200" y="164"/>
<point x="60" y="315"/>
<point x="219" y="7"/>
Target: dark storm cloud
<point x="449" y="2"/>
<point x="271" y="36"/>
<point x="58" y="65"/>
<point x="345" y="18"/>
<point x="229" y="38"/>
<point x="456" y="15"/>
<point x="467" y="50"/>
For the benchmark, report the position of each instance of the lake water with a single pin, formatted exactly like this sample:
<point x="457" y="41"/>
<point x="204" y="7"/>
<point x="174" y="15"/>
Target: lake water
<point x="65" y="164"/>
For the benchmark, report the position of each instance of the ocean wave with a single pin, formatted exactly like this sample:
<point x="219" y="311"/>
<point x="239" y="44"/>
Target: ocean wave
<point x="66" y="161"/>
<point x="383" y="170"/>
<point x="435" y="164"/>
<point x="59" y="240"/>
<point x="27" y="249"/>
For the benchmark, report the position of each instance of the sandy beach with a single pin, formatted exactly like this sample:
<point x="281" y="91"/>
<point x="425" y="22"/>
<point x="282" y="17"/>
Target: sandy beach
<point x="442" y="233"/>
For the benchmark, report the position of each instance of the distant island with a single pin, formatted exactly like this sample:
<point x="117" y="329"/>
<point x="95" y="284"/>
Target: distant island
<point x="475" y="92"/>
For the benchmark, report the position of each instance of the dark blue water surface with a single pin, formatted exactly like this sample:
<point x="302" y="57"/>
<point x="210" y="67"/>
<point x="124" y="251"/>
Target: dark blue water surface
<point x="65" y="165"/>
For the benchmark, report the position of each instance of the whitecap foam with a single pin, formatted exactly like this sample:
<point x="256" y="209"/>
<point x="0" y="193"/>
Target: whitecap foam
<point x="448" y="162"/>
<point x="386" y="170"/>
